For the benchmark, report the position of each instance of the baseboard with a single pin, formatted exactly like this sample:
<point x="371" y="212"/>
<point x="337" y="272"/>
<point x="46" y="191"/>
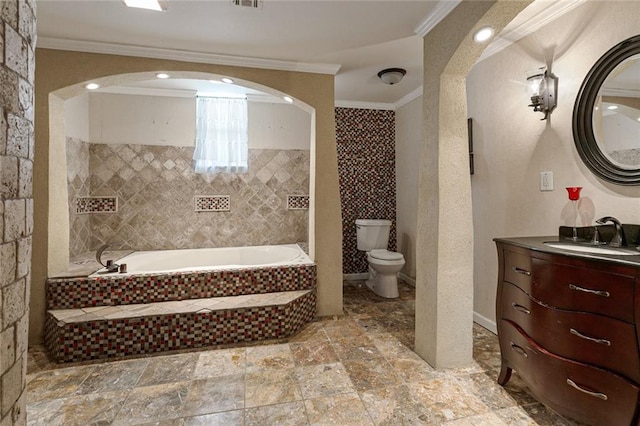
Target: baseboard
<point x="485" y="322"/>
<point x="407" y="279"/>
<point x="355" y="277"/>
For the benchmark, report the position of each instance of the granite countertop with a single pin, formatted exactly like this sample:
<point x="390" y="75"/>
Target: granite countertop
<point x="537" y="244"/>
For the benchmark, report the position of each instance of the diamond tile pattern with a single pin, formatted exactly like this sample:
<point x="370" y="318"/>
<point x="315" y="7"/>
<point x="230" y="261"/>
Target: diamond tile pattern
<point x="156" y="186"/>
<point x="78" y="186"/>
<point x="366" y="170"/>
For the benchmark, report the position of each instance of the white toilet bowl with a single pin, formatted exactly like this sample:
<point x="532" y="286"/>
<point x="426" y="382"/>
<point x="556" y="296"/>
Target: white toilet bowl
<point x="384" y="266"/>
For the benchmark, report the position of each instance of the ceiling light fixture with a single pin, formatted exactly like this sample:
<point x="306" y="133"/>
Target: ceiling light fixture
<point x="288" y="99"/>
<point x="162" y="75"/>
<point x="483" y="34"/>
<point x="612" y="107"/>
<point x="145" y="4"/>
<point x="392" y="75"/>
<point x="227" y="80"/>
<point x="92" y="86"/>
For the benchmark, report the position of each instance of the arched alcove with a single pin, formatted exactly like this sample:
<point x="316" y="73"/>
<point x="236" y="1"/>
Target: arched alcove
<point x="61" y="75"/>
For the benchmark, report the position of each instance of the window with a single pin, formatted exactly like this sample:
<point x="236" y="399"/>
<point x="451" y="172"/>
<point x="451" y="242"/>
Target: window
<point x="221" y="135"/>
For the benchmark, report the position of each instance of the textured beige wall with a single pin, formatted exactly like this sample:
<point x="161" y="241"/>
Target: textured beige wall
<point x="408" y="141"/>
<point x="444" y="276"/>
<point x="513" y="146"/>
<point x="65" y="72"/>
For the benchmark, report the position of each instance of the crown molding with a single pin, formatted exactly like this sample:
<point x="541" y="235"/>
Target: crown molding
<point x="365" y="105"/>
<point x="550" y="13"/>
<point x="442" y="9"/>
<point x="381" y="105"/>
<point x="183" y="55"/>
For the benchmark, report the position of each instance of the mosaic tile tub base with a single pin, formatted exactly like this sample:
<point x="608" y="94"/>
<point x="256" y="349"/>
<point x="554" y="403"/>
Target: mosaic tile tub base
<point x="146" y="315"/>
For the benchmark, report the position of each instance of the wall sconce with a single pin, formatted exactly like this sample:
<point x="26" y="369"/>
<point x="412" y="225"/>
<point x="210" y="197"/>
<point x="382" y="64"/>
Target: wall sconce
<point x="392" y="75"/>
<point x="542" y="87"/>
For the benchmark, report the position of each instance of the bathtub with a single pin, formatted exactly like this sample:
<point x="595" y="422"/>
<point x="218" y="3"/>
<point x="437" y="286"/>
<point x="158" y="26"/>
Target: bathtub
<point x="210" y="259"/>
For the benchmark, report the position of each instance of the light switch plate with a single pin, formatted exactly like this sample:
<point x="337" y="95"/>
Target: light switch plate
<point x="546" y="181"/>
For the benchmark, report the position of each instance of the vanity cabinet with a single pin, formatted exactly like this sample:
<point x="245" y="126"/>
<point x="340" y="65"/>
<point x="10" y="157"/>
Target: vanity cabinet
<point x="567" y="324"/>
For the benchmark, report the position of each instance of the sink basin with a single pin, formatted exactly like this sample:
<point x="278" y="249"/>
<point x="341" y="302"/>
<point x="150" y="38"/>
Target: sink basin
<point x="592" y="249"/>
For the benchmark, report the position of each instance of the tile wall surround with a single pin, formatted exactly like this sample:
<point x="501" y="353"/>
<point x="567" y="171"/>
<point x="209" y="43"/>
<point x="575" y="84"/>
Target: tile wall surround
<point x="78" y="187"/>
<point x="17" y="148"/>
<point x="366" y="171"/>
<point x="153" y="185"/>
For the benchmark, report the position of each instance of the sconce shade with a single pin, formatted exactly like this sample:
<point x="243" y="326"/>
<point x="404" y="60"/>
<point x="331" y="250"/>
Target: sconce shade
<point x="392" y="75"/>
<point x="542" y="86"/>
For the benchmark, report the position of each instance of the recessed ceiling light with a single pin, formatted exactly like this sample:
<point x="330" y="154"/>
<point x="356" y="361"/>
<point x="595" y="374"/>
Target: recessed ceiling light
<point x="612" y="107"/>
<point x="145" y="4"/>
<point x="162" y="75"/>
<point x="288" y="99"/>
<point x="483" y="34"/>
<point x="227" y="80"/>
<point x="92" y="86"/>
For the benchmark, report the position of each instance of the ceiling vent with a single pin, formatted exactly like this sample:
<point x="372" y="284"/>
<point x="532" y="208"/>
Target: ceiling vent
<point x="254" y="4"/>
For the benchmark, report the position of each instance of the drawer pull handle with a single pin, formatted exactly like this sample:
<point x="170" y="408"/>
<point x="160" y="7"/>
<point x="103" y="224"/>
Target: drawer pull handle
<point x="521" y="271"/>
<point x="588" y="392"/>
<point x="586" y="290"/>
<point x="519" y="350"/>
<point x="592" y="339"/>
<point x="520" y="308"/>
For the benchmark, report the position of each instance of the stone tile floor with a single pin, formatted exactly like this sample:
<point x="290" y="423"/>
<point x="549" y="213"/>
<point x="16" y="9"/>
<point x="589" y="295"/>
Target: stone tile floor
<point x="357" y="369"/>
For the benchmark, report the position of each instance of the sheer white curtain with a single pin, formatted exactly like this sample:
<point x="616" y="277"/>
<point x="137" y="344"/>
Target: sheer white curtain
<point x="221" y="135"/>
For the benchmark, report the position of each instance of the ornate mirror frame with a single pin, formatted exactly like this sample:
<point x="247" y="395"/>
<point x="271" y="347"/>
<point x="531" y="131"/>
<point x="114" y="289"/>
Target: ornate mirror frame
<point x="583" y="132"/>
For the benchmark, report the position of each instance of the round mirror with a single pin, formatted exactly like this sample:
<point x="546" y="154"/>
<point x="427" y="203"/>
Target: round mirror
<point x="606" y="116"/>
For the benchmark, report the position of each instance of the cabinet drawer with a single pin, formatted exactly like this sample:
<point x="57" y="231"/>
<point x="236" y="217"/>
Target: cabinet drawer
<point x="585" y="337"/>
<point x="582" y="289"/>
<point x="573" y="389"/>
<point x="517" y="269"/>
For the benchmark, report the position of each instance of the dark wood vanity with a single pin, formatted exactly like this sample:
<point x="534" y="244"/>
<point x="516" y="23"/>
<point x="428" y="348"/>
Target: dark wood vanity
<point x="569" y="325"/>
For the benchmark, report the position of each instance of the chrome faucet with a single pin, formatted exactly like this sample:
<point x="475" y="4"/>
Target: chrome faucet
<point x="618" y="239"/>
<point x="111" y="266"/>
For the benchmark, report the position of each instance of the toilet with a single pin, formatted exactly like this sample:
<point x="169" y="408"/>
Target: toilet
<point x="384" y="265"/>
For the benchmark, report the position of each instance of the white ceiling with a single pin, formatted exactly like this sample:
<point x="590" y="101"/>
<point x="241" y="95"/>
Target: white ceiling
<point x="353" y="39"/>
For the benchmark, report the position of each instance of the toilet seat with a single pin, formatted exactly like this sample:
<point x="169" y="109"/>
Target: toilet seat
<point x="386" y="255"/>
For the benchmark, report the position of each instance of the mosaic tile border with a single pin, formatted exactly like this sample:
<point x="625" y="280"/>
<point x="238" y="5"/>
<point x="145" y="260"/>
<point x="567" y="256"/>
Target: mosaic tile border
<point x="80" y="292"/>
<point x="212" y="203"/>
<point x="297" y="202"/>
<point x="161" y="333"/>
<point x="89" y="205"/>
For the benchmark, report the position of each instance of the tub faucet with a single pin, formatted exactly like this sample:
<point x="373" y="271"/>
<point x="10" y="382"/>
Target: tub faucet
<point x="111" y="266"/>
<point x="618" y="239"/>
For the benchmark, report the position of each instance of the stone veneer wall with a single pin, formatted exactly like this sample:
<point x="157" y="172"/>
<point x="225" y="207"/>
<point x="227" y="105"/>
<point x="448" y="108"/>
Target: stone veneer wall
<point x="366" y="169"/>
<point x="78" y="179"/>
<point x="17" y="66"/>
<point x="156" y="190"/>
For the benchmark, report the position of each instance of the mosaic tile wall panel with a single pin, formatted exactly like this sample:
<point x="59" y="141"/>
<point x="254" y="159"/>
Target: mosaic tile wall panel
<point x="366" y="171"/>
<point x="159" y="333"/>
<point x="212" y="203"/>
<point x="75" y="293"/>
<point x="78" y="186"/>
<point x="298" y="202"/>
<point x="155" y="183"/>
<point x="86" y="205"/>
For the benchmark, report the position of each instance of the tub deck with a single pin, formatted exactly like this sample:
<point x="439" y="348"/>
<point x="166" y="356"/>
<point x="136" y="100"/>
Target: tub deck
<point x="114" y="316"/>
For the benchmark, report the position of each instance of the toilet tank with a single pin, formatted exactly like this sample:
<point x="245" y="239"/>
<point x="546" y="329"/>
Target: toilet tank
<point x="372" y="233"/>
